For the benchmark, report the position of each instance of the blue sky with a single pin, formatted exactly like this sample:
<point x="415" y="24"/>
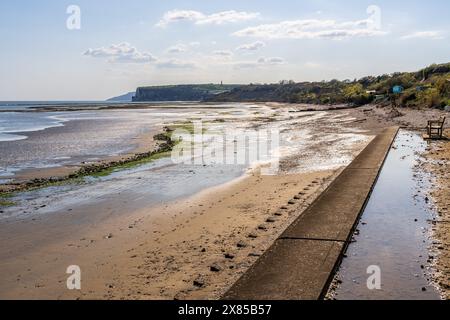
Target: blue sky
<point x="124" y="44"/>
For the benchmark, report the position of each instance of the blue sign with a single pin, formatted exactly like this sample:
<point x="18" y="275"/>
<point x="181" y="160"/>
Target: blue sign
<point x="397" y="89"/>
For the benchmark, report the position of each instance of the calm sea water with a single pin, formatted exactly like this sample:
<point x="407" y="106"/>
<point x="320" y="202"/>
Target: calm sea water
<point x="35" y="140"/>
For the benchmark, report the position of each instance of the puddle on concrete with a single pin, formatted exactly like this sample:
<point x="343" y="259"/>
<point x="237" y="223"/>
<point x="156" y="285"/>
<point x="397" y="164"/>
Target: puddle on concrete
<point x="392" y="234"/>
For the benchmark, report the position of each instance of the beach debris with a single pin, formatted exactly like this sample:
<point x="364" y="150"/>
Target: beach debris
<point x="109" y="236"/>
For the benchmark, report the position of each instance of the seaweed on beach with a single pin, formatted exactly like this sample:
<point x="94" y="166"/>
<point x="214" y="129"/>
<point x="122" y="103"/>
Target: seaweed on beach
<point x="165" y="145"/>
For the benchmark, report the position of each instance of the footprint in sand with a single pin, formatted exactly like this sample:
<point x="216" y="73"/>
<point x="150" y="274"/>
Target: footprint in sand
<point x="262" y="227"/>
<point x="241" y="244"/>
<point x="215" y="267"/>
<point x="229" y="256"/>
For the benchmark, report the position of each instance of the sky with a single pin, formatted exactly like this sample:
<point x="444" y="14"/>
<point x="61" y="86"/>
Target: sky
<point x="97" y="49"/>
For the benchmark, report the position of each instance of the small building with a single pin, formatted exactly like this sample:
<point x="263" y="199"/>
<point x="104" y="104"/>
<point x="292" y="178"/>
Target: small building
<point x="397" y="89"/>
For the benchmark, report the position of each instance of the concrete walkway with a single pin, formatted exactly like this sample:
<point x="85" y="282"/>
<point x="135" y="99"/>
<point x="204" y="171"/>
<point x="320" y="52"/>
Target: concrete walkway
<point x="302" y="261"/>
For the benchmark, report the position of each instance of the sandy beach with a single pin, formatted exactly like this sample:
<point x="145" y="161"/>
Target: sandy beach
<point x="191" y="245"/>
<point x="435" y="162"/>
<point x="172" y="244"/>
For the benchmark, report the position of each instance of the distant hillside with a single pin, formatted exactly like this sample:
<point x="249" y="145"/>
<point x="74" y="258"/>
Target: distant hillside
<point x="429" y="87"/>
<point x="127" y="97"/>
<point x="194" y="92"/>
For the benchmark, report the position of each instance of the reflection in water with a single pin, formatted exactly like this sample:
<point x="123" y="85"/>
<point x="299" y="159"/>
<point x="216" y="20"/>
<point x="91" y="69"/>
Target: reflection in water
<point x="392" y="233"/>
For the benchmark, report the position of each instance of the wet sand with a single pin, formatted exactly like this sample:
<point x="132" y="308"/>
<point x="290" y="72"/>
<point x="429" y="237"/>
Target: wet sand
<point x="60" y="151"/>
<point x="158" y="253"/>
<point x="435" y="163"/>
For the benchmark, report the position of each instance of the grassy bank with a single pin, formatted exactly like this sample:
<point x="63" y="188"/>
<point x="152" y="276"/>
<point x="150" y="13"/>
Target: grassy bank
<point x="426" y="88"/>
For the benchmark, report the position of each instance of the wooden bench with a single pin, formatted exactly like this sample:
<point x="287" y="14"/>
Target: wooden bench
<point x="435" y="128"/>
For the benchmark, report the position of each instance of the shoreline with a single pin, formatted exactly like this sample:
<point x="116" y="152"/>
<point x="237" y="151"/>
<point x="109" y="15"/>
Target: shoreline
<point x="25" y="180"/>
<point x="179" y="244"/>
<point x="188" y="248"/>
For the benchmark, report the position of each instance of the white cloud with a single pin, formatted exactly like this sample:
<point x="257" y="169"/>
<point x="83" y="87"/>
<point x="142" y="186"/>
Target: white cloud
<point x="311" y="29"/>
<point x="251" y="46"/>
<point x="122" y="52"/>
<point x="176" y="64"/>
<point x="223" y="53"/>
<point x="200" y="18"/>
<point x="178" y="48"/>
<point x="434" y="35"/>
<point x="261" y="62"/>
<point x="181" y="47"/>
